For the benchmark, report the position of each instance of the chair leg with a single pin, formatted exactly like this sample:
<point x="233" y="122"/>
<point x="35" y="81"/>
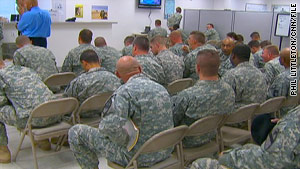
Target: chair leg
<point x="59" y="142"/>
<point x="19" y="146"/>
<point x="181" y="154"/>
<point x="33" y="151"/>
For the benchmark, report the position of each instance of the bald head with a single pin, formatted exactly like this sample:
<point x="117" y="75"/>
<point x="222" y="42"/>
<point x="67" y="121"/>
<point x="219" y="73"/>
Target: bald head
<point x="285" y="57"/>
<point x="208" y="62"/>
<point x="227" y="45"/>
<point x="22" y="41"/>
<point x="100" y="42"/>
<point x="175" y="37"/>
<point x="127" y="66"/>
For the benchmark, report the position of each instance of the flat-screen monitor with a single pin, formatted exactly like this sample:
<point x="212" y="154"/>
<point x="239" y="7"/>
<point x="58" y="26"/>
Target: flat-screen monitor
<point x="156" y="4"/>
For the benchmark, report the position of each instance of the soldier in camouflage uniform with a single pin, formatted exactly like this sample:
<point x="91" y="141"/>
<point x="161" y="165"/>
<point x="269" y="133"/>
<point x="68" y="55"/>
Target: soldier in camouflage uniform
<point x="256" y="51"/>
<point x="158" y="30"/>
<point x="246" y="80"/>
<point x="94" y="81"/>
<point x="184" y="34"/>
<point x="211" y="33"/>
<point x="281" y="150"/>
<point x="225" y="54"/>
<point x="172" y="64"/>
<point x="150" y="67"/>
<point x="281" y="83"/>
<point x="37" y="58"/>
<point x="272" y="67"/>
<point x="127" y="50"/>
<point x="177" y="44"/>
<point x="196" y="102"/>
<point x="140" y="99"/>
<point x="108" y="55"/>
<point x="72" y="61"/>
<point x="174" y="19"/>
<point x="207" y="163"/>
<point x="21" y="91"/>
<point x="197" y="43"/>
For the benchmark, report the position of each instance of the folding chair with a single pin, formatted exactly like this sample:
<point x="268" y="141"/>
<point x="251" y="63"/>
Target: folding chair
<point x="179" y="85"/>
<point x="233" y="135"/>
<point x="198" y="128"/>
<point x="96" y="102"/>
<point x="270" y="106"/>
<point x="165" y="139"/>
<point x="49" y="109"/>
<point x="58" y="80"/>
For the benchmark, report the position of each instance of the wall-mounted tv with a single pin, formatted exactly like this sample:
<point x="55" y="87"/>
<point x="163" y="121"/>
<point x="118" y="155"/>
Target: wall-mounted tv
<point x="156" y="4"/>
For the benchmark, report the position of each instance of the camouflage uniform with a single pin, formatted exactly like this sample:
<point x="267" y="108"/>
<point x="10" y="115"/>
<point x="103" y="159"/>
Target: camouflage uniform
<point x="207" y="163"/>
<point x="272" y="69"/>
<point x="152" y="69"/>
<point x="127" y="50"/>
<point x="280" y="150"/>
<point x="140" y="99"/>
<point x="225" y="65"/>
<point x="37" y="58"/>
<point x="205" y="98"/>
<point x="95" y="81"/>
<point x="248" y="84"/>
<point x="109" y="57"/>
<point x="190" y="61"/>
<point x="1" y="30"/>
<point x="184" y="35"/>
<point x="157" y="31"/>
<point x="177" y="50"/>
<point x="212" y="34"/>
<point x="174" y="19"/>
<point x="258" y="61"/>
<point x="172" y="65"/>
<point x="72" y="61"/>
<point x="21" y="91"/>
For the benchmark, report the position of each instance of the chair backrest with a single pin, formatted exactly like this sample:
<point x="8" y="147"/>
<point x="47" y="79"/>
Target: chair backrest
<point x="242" y="114"/>
<point x="205" y="125"/>
<point x="179" y="85"/>
<point x="59" y="79"/>
<point x="55" y="108"/>
<point x="270" y="105"/>
<point x="162" y="140"/>
<point x="290" y="101"/>
<point x="96" y="102"/>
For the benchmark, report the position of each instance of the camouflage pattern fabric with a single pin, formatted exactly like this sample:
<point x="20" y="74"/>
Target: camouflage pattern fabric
<point x="158" y="31"/>
<point x="72" y="61"/>
<point x="174" y="19"/>
<point x="37" y="58"/>
<point x="205" y="98"/>
<point x="93" y="82"/>
<point x="172" y="65"/>
<point x="1" y="30"/>
<point x="272" y="69"/>
<point x="248" y="84"/>
<point x="148" y="105"/>
<point x="225" y="66"/>
<point x="151" y="68"/>
<point x="190" y="61"/>
<point x="109" y="57"/>
<point x="185" y="35"/>
<point x="206" y="163"/>
<point x="177" y="50"/>
<point x="127" y="50"/>
<point x="258" y="61"/>
<point x="21" y="91"/>
<point x="212" y="34"/>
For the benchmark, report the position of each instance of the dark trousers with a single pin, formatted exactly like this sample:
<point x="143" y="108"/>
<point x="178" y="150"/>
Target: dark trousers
<point x="38" y="41"/>
<point x="261" y="127"/>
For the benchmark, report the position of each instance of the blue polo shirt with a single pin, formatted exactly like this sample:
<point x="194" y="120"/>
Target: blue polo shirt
<point x="35" y="23"/>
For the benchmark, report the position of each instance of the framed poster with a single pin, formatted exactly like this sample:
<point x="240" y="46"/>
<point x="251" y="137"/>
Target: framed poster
<point x="169" y="8"/>
<point x="282" y="25"/>
<point x="79" y="11"/>
<point x="99" y="12"/>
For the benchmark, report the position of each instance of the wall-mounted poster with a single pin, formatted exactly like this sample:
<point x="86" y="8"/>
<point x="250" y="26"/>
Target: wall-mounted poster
<point x="79" y="11"/>
<point x="283" y="25"/>
<point x="99" y="12"/>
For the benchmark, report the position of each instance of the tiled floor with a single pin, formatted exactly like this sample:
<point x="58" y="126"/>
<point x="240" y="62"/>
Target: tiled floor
<point x="63" y="159"/>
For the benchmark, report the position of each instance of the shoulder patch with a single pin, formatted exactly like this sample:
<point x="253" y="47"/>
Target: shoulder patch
<point x="108" y="105"/>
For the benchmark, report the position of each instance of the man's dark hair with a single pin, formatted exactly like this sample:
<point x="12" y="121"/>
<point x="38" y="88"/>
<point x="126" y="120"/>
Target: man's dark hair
<point x="212" y="25"/>
<point x="242" y="52"/>
<point x="86" y="35"/>
<point x="178" y="9"/>
<point x="176" y="26"/>
<point x="198" y="36"/>
<point x="254" y="43"/>
<point x="142" y="43"/>
<point x="254" y="33"/>
<point x="129" y="39"/>
<point x="157" y="22"/>
<point x="265" y="43"/>
<point x="240" y="38"/>
<point x="89" y="56"/>
<point x="232" y="35"/>
<point x="209" y="62"/>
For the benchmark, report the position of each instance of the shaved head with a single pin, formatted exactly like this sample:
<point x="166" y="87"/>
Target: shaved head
<point x="227" y="45"/>
<point x="100" y="42"/>
<point x="175" y="37"/>
<point x="208" y="62"/>
<point x="285" y="57"/>
<point x="22" y="41"/>
<point x="127" y="66"/>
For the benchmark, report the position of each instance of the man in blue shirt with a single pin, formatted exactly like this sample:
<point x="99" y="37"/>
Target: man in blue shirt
<point x="35" y="23"/>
